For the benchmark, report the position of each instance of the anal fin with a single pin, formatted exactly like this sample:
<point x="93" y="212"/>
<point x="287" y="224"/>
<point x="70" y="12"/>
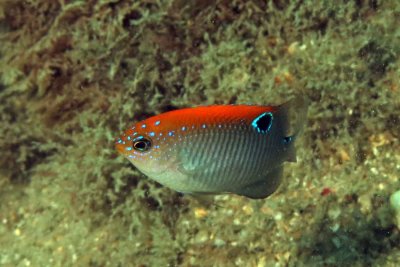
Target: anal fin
<point x="262" y="187"/>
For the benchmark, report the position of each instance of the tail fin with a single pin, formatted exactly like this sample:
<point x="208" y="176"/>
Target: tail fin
<point x="294" y="113"/>
<point x="294" y="116"/>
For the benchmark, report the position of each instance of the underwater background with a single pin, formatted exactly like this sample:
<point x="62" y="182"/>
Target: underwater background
<point x="75" y="74"/>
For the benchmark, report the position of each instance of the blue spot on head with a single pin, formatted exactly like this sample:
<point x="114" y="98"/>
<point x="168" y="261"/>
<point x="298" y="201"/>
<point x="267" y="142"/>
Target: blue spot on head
<point x="152" y="134"/>
<point x="143" y="125"/>
<point x="204" y="126"/>
<point x="263" y="122"/>
<point x="135" y="133"/>
<point x="128" y="138"/>
<point x="183" y="128"/>
<point x="157" y="123"/>
<point x="119" y="141"/>
<point x="171" y="133"/>
<point x="128" y="148"/>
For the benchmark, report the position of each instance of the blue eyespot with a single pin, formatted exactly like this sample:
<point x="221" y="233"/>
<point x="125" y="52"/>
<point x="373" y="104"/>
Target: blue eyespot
<point x="183" y="128"/>
<point x="152" y="134"/>
<point x="171" y="133"/>
<point x="144" y="126"/>
<point x="157" y="123"/>
<point x="263" y="122"/>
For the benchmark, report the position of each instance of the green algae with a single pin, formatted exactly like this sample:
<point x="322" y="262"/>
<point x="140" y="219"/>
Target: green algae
<point x="74" y="74"/>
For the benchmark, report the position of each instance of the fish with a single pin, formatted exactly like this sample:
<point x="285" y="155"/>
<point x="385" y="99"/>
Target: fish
<point x="217" y="149"/>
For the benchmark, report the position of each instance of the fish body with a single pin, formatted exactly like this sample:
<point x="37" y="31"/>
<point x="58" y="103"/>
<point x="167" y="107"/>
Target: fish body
<point x="217" y="149"/>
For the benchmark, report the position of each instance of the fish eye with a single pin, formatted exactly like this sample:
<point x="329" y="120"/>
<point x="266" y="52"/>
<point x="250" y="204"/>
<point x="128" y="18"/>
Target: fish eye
<point x="141" y="144"/>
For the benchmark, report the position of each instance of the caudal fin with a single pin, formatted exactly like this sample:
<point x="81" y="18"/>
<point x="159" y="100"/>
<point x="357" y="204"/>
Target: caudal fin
<point x="294" y="114"/>
<point x="294" y="117"/>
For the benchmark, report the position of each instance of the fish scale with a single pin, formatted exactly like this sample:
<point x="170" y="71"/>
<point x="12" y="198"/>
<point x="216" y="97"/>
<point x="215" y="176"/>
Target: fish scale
<point x="236" y="149"/>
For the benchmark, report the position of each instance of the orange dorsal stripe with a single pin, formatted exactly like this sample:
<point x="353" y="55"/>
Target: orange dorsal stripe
<point x="205" y="115"/>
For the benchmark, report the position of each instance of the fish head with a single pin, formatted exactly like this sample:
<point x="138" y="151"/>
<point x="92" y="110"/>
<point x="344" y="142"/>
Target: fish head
<point x="144" y="144"/>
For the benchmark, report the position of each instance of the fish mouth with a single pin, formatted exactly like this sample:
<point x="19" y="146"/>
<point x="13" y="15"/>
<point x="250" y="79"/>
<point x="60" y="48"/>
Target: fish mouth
<point x="120" y="148"/>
